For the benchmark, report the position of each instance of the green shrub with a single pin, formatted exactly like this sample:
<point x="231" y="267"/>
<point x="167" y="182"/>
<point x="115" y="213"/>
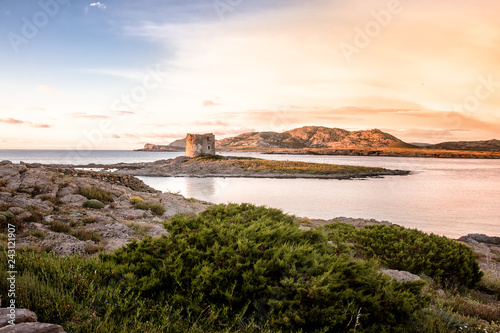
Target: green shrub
<point x="96" y="204"/>
<point x="445" y="260"/>
<point x="7" y="214"/>
<point x="135" y="200"/>
<point x="84" y="235"/>
<point x="253" y="265"/>
<point x="155" y="207"/>
<point x="96" y="193"/>
<point x="3" y="219"/>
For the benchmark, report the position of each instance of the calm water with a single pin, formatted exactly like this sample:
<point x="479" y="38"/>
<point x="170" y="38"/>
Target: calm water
<point x="452" y="197"/>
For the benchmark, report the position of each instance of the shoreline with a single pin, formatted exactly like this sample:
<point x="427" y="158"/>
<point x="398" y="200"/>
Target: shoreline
<point x="375" y="151"/>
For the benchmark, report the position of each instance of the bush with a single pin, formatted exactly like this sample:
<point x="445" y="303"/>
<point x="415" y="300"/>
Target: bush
<point x="254" y="265"/>
<point x="96" y="204"/>
<point x="96" y="193"/>
<point x="135" y="200"/>
<point x="89" y="220"/>
<point x="59" y="227"/>
<point x="38" y="234"/>
<point x="446" y="261"/>
<point x="155" y="207"/>
<point x="84" y="235"/>
<point x="7" y="214"/>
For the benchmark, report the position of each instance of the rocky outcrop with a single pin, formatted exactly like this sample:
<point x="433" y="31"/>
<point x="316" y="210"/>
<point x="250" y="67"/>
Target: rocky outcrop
<point x="47" y="208"/>
<point x="314" y="137"/>
<point x="487" y="249"/>
<point x="25" y="321"/>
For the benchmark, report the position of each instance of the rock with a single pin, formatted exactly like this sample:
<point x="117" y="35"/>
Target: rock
<point x="74" y="199"/>
<point x="16" y="210"/>
<point x="24" y="216"/>
<point x="21" y="200"/>
<point x="21" y="316"/>
<point x="400" y="276"/>
<point x="32" y="328"/>
<point x="480" y="238"/>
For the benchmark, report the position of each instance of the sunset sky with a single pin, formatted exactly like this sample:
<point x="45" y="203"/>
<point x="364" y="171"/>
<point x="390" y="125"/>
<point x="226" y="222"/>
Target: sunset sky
<point x="119" y="74"/>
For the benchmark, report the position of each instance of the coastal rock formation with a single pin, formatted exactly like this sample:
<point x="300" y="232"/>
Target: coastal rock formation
<point x="46" y="207"/>
<point x="487" y="249"/>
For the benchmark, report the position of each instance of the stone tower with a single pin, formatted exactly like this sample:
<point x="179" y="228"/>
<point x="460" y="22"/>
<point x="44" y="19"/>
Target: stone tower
<point x="200" y="145"/>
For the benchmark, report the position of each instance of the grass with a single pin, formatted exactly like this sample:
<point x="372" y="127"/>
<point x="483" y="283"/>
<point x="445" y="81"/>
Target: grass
<point x="490" y="283"/>
<point x="38" y="234"/>
<point x="89" y="220"/>
<point x="84" y="235"/>
<point x="140" y="229"/>
<point x="59" y="227"/>
<point x="288" y="167"/>
<point x="96" y="194"/>
<point x="155" y="207"/>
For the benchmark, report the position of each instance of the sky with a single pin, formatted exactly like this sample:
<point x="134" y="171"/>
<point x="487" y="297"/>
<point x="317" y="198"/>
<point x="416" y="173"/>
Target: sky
<point x="117" y="74"/>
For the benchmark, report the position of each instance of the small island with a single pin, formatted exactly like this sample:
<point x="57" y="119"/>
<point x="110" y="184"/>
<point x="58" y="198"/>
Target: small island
<point x="201" y="161"/>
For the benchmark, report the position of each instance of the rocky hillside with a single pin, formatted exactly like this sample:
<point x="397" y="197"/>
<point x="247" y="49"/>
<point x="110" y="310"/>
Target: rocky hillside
<point x="51" y="210"/>
<point x="314" y="137"/>
<point x="488" y="145"/>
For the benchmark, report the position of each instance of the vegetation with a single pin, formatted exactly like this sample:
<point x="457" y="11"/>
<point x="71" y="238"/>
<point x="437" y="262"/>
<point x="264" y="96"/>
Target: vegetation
<point x="59" y="227"/>
<point x="444" y="260"/>
<point x="291" y="167"/>
<point x="96" y="204"/>
<point x="155" y="207"/>
<point x="135" y="200"/>
<point x="96" y="193"/>
<point x="84" y="235"/>
<point x="241" y="268"/>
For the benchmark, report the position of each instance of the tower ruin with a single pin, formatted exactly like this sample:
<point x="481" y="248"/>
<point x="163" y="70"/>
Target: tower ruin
<point x="200" y="145"/>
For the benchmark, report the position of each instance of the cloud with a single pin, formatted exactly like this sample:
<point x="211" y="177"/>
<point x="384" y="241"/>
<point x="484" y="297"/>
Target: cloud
<point x="210" y="103"/>
<point x="98" y="5"/>
<point x="123" y="113"/>
<point x="86" y="115"/>
<point x="47" y="90"/>
<point x="41" y="125"/>
<point x="211" y="123"/>
<point x="115" y="136"/>
<point x="13" y="121"/>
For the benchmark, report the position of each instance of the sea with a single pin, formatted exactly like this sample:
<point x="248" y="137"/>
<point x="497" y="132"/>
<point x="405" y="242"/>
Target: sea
<point x="450" y="197"/>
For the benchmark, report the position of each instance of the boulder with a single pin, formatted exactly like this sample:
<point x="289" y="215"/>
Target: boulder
<point x="21" y="316"/>
<point x="480" y="238"/>
<point x="400" y="276"/>
<point x="32" y="328"/>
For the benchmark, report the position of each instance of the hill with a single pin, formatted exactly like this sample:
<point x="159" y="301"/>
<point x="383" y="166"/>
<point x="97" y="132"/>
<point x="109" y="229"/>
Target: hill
<point x="314" y="137"/>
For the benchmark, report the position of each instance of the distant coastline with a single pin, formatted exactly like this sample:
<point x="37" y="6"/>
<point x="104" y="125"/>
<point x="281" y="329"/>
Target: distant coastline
<point x="319" y="140"/>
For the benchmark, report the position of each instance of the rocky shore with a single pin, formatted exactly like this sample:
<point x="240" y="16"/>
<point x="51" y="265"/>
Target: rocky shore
<point x="220" y="166"/>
